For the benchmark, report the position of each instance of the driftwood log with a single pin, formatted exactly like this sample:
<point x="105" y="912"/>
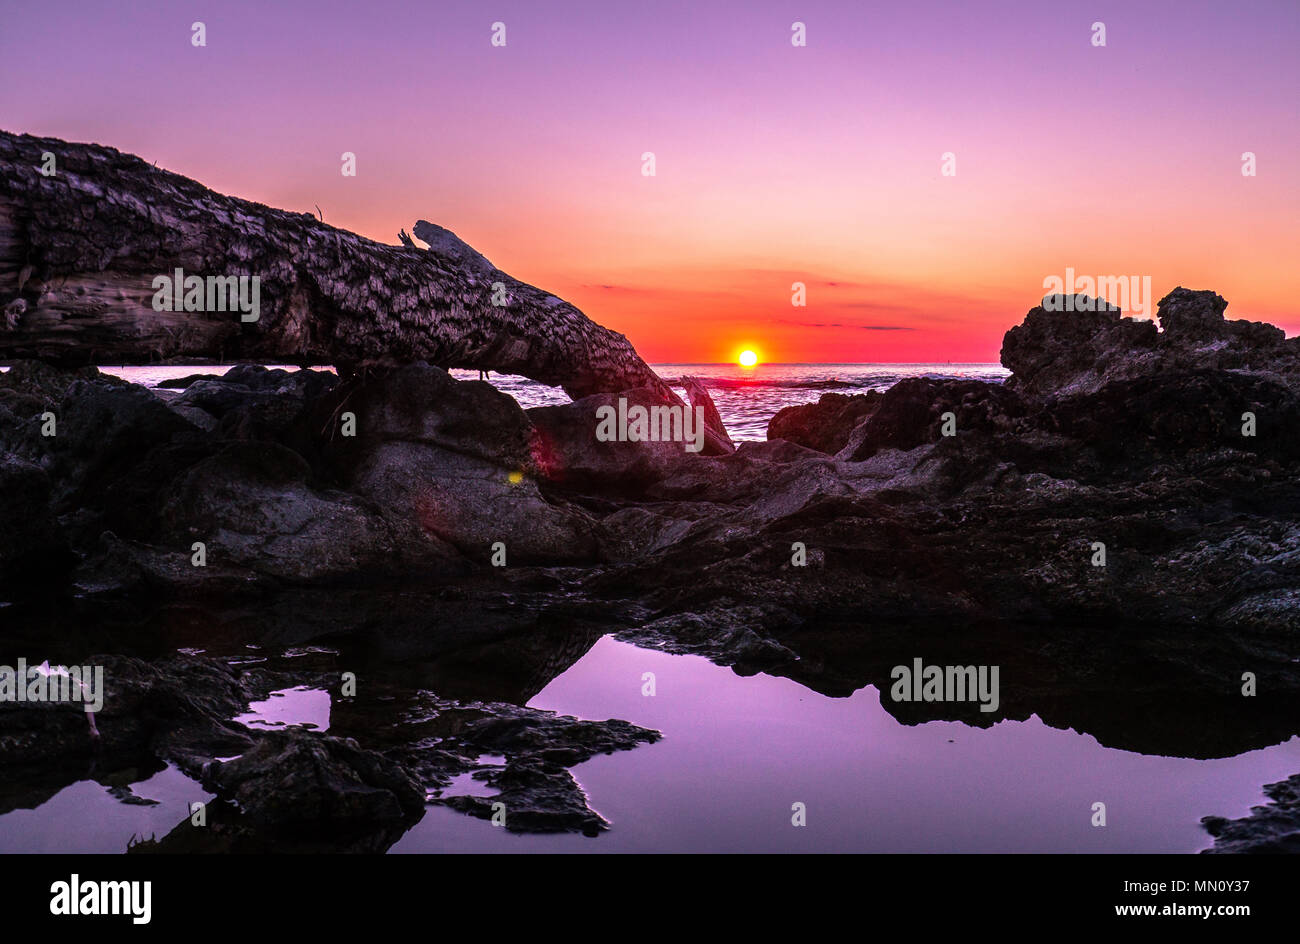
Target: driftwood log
<point x="80" y="250"/>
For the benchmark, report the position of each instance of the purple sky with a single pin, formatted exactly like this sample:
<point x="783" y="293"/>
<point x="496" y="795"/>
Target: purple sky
<point x="774" y="164"/>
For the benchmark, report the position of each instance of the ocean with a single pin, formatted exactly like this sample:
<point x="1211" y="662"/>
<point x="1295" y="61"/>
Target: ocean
<point x="746" y="397"/>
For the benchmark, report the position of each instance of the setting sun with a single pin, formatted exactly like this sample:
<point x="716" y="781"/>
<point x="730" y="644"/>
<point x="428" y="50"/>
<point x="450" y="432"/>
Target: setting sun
<point x="748" y="359"/>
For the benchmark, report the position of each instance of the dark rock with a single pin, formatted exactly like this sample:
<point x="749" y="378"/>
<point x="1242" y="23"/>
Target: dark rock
<point x="1198" y="316"/>
<point x="33" y="549"/>
<point x="570" y="456"/>
<point x="910" y="413"/>
<point x="1131" y="423"/>
<point x="1272" y="828"/>
<point x="539" y="793"/>
<point x="103" y="433"/>
<point x="825" y="425"/>
<point x="1064" y="353"/>
<point x="252" y="506"/>
<point x="535" y="796"/>
<point x="717" y="441"/>
<point x="227" y="831"/>
<point x="293" y="778"/>
<point x="1058" y="351"/>
<point x="218" y="396"/>
<point x="253" y="403"/>
<point x="453" y="499"/>
<point x="426" y="405"/>
<point x="453" y="462"/>
<point x="178" y="708"/>
<point x="31" y="387"/>
<point x="180" y="383"/>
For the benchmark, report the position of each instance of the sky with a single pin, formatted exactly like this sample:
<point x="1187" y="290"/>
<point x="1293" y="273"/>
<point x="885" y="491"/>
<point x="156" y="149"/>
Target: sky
<point x="774" y="163"/>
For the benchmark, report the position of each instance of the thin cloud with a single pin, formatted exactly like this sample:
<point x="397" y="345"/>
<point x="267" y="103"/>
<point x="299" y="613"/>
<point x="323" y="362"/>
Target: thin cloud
<point x="852" y="327"/>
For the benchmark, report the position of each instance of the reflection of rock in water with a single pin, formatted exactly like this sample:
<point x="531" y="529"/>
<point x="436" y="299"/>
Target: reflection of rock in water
<point x="1274" y="827"/>
<point x="227" y="831"/>
<point x="410" y="729"/>
<point x="511" y="669"/>
<point x="1170" y="694"/>
<point x="442" y="716"/>
<point x="295" y="790"/>
<point x="26" y="788"/>
<point x="177" y="710"/>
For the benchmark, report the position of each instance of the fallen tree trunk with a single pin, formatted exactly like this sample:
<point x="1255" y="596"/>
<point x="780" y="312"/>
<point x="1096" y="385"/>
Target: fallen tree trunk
<point x="80" y="251"/>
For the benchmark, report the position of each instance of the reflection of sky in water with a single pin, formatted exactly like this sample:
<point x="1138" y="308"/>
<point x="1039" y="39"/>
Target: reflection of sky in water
<point x="309" y="707"/>
<point x="85" y="817"/>
<point x="737" y="752"/>
<point x="467" y="785"/>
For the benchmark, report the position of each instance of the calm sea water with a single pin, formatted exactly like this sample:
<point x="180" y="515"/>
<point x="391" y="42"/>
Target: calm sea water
<point x="747" y="398"/>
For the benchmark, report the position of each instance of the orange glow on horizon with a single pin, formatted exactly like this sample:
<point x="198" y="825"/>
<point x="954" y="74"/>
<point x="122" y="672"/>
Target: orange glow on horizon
<point x="774" y="167"/>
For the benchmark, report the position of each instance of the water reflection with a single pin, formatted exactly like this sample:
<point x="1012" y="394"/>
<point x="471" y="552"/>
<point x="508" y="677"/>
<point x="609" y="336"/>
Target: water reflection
<point x="1115" y="710"/>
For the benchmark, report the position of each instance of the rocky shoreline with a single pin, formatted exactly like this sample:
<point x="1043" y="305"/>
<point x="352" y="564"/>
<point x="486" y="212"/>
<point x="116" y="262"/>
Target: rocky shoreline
<point x="1117" y="526"/>
<point x="386" y="540"/>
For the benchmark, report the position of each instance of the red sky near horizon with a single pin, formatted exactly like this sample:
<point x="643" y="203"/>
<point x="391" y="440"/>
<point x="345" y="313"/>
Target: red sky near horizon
<point x="774" y="164"/>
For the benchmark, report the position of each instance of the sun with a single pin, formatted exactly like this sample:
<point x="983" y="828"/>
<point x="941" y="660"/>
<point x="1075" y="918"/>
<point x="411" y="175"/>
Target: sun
<point x="748" y="358"/>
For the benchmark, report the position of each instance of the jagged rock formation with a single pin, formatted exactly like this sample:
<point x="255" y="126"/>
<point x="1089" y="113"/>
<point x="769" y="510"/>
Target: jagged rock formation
<point x="79" y="252"/>
<point x="825" y="425"/>
<point x="294" y="778"/>
<point x="1063" y="352"/>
